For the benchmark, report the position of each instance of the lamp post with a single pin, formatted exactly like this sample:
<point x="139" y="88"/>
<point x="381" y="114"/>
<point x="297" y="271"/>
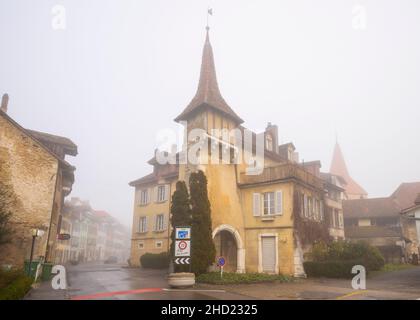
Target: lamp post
<point x="35" y="233"/>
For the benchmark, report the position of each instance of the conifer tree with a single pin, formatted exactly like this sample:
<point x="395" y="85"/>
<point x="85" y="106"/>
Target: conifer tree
<point x="203" y="251"/>
<point x="181" y="216"/>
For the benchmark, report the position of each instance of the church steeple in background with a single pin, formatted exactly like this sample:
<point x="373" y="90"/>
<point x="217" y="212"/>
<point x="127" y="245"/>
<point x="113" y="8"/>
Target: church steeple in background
<point x="339" y="168"/>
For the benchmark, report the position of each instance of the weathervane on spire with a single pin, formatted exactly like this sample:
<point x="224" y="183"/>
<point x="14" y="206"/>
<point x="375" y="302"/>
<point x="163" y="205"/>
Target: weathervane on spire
<point x="209" y="13"/>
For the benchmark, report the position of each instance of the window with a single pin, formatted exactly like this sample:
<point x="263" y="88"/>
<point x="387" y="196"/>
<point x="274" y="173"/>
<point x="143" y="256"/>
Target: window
<point x="340" y="220"/>
<point x="160" y="222"/>
<point x="158" y="244"/>
<point x="144" y="197"/>
<point x="142" y="225"/>
<point x="302" y="205"/>
<point x="161" y="193"/>
<point x="268" y="203"/>
<point x="141" y="245"/>
<point x="310" y="207"/>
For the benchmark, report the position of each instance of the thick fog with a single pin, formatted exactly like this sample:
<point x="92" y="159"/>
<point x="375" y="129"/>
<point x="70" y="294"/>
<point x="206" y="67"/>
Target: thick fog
<point x="121" y="71"/>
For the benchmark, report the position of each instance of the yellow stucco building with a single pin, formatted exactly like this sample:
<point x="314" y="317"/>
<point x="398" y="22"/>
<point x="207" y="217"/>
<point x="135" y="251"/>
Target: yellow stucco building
<point x="263" y="220"/>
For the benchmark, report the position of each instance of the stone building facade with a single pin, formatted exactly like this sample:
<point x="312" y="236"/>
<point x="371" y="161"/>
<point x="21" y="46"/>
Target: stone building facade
<point x="38" y="179"/>
<point x="258" y="213"/>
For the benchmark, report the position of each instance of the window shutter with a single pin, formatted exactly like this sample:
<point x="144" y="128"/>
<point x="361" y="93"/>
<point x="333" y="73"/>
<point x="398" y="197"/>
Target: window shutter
<point x="145" y="224"/>
<point x="166" y="192"/>
<point x="165" y="222"/>
<point x="138" y="196"/>
<point x="155" y="193"/>
<point x="305" y="205"/>
<point x="256" y="198"/>
<point x="149" y="191"/>
<point x="279" y="202"/>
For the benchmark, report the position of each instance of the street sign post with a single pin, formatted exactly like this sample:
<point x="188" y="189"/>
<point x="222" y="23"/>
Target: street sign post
<point x="221" y="262"/>
<point x="182" y="233"/>
<point x="182" y="245"/>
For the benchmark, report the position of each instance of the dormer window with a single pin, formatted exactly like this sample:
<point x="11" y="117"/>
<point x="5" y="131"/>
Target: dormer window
<point x="269" y="142"/>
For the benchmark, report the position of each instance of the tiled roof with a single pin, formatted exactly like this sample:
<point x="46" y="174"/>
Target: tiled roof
<point x="370" y="232"/>
<point x="369" y="208"/>
<point x="208" y="93"/>
<point x="69" y="145"/>
<point x="406" y="194"/>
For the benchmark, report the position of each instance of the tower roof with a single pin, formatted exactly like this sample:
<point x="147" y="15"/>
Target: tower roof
<point x="339" y="168"/>
<point x="208" y="93"/>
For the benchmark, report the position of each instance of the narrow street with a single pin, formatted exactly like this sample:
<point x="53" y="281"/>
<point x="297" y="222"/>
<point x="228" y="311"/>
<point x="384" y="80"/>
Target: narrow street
<point x="113" y="282"/>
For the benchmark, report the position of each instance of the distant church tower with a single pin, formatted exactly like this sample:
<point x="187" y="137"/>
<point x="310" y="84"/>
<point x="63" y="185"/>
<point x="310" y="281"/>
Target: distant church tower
<point x="338" y="167"/>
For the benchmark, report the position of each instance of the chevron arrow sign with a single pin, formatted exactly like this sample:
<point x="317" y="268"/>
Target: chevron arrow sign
<point x="182" y="261"/>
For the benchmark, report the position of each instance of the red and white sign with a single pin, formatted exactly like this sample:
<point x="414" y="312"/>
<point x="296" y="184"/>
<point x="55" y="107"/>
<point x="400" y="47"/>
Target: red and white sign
<point x="182" y="248"/>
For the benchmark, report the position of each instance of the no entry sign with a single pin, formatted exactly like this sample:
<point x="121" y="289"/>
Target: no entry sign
<point x="182" y="248"/>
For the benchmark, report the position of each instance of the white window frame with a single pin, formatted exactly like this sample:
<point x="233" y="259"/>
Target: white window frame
<point x="144" y="197"/>
<point x="161" y="193"/>
<point x="142" y="224"/>
<point x="141" y="245"/>
<point x="160" y="222"/>
<point x="160" y="242"/>
<point x="271" y="203"/>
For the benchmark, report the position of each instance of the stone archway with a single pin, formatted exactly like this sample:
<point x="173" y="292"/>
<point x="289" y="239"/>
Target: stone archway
<point x="228" y="240"/>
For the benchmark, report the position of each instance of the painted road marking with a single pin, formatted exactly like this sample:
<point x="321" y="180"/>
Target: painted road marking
<point x="354" y="293"/>
<point x="195" y="290"/>
<point x="115" y="293"/>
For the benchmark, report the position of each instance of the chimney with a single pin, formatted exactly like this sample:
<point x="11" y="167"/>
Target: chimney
<point x="4" y="102"/>
<point x="273" y="130"/>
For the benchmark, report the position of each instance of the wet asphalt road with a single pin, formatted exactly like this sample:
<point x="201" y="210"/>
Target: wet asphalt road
<point x="90" y="281"/>
<point x="116" y="282"/>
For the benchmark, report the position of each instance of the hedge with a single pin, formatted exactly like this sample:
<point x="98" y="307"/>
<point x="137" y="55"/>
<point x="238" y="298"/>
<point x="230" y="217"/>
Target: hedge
<point x="240" y="278"/>
<point x="331" y="269"/>
<point x="14" y="285"/>
<point x="155" y="260"/>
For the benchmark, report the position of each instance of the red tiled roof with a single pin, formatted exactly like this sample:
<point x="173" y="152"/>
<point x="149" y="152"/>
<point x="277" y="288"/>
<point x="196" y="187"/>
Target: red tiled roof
<point x="338" y="167"/>
<point x="406" y="194"/>
<point x="208" y="93"/>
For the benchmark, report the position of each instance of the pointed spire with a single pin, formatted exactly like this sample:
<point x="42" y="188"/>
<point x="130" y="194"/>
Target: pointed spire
<point x="208" y="93"/>
<point x="339" y="168"/>
<point x="338" y="165"/>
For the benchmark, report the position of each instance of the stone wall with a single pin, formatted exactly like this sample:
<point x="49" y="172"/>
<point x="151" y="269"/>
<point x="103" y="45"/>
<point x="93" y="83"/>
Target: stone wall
<point x="30" y="172"/>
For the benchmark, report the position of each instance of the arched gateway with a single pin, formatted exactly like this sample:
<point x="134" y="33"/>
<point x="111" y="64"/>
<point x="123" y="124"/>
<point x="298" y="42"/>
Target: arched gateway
<point x="229" y="244"/>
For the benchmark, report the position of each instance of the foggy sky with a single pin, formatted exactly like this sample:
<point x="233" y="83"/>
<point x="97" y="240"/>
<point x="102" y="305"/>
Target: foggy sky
<point x="123" y="70"/>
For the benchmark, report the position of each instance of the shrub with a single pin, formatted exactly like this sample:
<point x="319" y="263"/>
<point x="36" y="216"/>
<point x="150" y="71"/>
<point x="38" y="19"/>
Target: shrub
<point x="331" y="268"/>
<point x="336" y="258"/>
<point x="155" y="260"/>
<point x="14" y="284"/>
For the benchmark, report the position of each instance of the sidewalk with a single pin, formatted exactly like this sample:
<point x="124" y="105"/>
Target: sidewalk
<point x="44" y="291"/>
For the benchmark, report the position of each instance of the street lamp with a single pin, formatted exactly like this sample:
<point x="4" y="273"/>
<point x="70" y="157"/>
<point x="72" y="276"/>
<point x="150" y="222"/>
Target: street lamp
<point x="35" y="233"/>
